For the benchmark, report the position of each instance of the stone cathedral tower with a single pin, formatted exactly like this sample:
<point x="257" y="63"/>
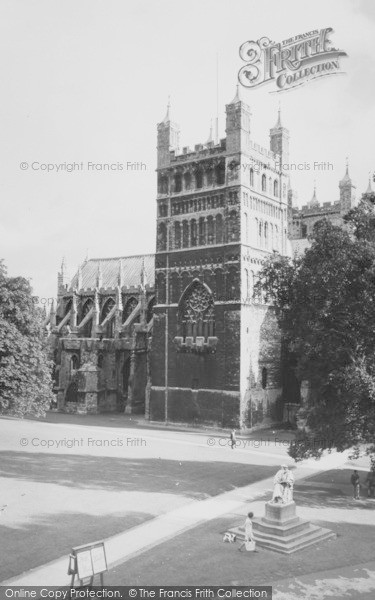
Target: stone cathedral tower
<point x="221" y="209"/>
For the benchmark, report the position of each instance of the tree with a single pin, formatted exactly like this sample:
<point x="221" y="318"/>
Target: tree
<point x="25" y="371"/>
<point x="326" y="309"/>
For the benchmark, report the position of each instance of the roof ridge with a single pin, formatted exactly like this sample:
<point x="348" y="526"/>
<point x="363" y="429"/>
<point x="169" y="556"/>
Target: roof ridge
<point x="121" y="257"/>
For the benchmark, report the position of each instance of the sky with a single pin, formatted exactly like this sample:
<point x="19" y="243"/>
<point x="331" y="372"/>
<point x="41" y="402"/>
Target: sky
<point x="87" y="82"/>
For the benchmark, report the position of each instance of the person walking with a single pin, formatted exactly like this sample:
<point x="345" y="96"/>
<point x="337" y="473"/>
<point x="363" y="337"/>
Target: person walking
<point x="355" y="481"/>
<point x="233" y="440"/>
<point x="249" y="541"/>
<point x="370" y="482"/>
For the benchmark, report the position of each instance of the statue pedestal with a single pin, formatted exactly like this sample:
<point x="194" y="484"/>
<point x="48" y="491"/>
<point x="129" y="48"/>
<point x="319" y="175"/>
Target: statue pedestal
<point x="282" y="530"/>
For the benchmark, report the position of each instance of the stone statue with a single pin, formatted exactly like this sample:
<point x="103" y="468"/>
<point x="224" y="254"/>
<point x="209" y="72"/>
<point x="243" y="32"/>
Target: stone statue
<point x="283" y="486"/>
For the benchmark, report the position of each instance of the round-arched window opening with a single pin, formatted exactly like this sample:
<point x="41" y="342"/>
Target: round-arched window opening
<point x="264" y="378"/>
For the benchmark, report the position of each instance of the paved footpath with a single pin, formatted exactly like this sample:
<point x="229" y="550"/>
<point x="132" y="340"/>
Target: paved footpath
<point x="133" y="542"/>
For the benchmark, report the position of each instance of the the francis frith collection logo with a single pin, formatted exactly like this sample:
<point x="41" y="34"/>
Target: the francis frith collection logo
<point x="290" y="63"/>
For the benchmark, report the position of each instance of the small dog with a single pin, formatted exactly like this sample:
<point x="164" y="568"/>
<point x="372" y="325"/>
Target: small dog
<point x="229" y="537"/>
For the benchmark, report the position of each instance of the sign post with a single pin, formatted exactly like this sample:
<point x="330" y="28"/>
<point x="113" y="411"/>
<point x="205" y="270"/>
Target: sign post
<point x="87" y="561"/>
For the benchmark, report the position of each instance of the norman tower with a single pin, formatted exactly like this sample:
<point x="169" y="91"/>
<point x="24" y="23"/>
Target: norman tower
<point x="221" y="208"/>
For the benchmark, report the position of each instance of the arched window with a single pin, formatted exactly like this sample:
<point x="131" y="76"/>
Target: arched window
<point x="198" y="178"/>
<point x="174" y="288"/>
<point x="251" y="177"/>
<point x="275" y="188"/>
<point x="160" y="288"/>
<point x="196" y="312"/>
<point x="219" y="229"/>
<point x="264" y="378"/>
<point x="100" y="361"/>
<point x="74" y="363"/>
<point x="163" y="184"/>
<point x="220" y="174"/>
<point x="246" y="226"/>
<point x="185" y="234"/>
<point x="193" y="232"/>
<point x="210" y="230"/>
<point x="202" y="231"/>
<point x="68" y="306"/>
<point x="187" y="180"/>
<point x="86" y="332"/>
<point x="177" y="182"/>
<point x="266" y="235"/>
<point x="162" y="237"/>
<point x="264" y="183"/>
<point x="130" y="305"/>
<point x="177" y="234"/>
<point x="232" y="226"/>
<point x="260" y="234"/>
<point x="108" y="306"/>
<point x="209" y="176"/>
<point x="270" y="185"/>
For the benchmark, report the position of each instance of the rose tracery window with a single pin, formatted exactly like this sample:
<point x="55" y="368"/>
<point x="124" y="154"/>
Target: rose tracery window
<point x="197" y="312"/>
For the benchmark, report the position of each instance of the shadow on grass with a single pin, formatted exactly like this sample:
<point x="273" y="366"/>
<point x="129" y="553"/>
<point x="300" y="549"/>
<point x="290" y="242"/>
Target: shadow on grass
<point x="191" y="478"/>
<point x="49" y="538"/>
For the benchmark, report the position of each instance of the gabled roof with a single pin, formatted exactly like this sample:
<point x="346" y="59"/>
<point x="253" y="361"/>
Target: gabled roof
<point x="108" y="270"/>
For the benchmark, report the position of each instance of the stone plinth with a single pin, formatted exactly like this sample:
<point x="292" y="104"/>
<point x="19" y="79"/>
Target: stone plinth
<point x="283" y="531"/>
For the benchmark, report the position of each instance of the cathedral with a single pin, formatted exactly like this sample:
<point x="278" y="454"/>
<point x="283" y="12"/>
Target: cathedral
<point x="181" y="336"/>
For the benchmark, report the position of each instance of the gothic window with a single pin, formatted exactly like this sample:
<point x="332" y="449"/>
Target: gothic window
<point x="196" y="312"/>
<point x="264" y="183"/>
<point x="252" y="177"/>
<point x="74" y="363"/>
<point x="130" y="305"/>
<point x="246" y="227"/>
<point x="266" y="235"/>
<point x="257" y="231"/>
<point x="199" y="178"/>
<point x="193" y="232"/>
<point x="202" y="231"/>
<point x="85" y="310"/>
<point x="233" y="284"/>
<point x="219" y="285"/>
<point x="275" y="188"/>
<point x="108" y="305"/>
<point x="272" y="242"/>
<point x="209" y="176"/>
<point x="185" y="279"/>
<point x="68" y="306"/>
<point x="260" y="233"/>
<point x="210" y="230"/>
<point x="185" y="234"/>
<point x="219" y="229"/>
<point x="232" y="226"/>
<point x="270" y="185"/>
<point x="276" y="244"/>
<point x="162" y="237"/>
<point x="220" y="174"/>
<point x="160" y="288"/>
<point x="174" y="288"/>
<point x="177" y="182"/>
<point x="163" y="184"/>
<point x="177" y="234"/>
<point x="100" y="361"/>
<point x="187" y="181"/>
<point x="264" y="378"/>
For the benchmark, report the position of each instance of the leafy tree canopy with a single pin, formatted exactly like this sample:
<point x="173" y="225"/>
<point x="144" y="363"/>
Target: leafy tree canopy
<point x="326" y="309"/>
<point x="25" y="371"/>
